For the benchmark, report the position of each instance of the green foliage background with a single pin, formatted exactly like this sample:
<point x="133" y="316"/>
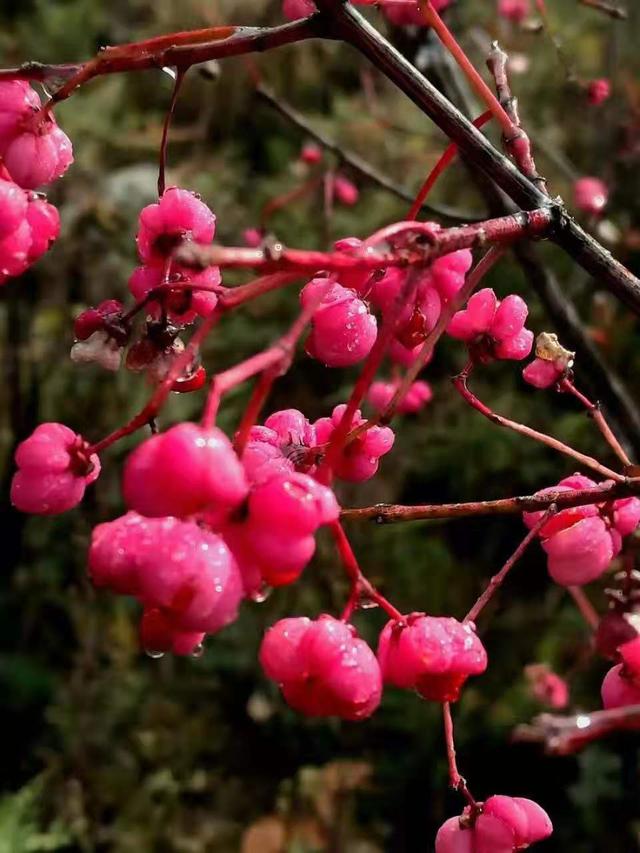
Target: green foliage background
<point x="106" y="750"/>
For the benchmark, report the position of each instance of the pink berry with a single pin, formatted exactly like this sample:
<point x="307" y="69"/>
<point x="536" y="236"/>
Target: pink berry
<point x="590" y="195"/>
<point x="514" y="10"/>
<point x="54" y="469"/>
<point x="418" y="395"/>
<point x="493" y="329"/>
<point x="182" y="304"/>
<point x="432" y="654"/>
<point x="620" y="689"/>
<point x="158" y="635"/>
<point x="454" y="838"/>
<point x="542" y="373"/>
<point x="280" y="446"/>
<point x="311" y="153"/>
<point x="190" y="574"/>
<point x="276" y="538"/>
<point x="183" y="471"/>
<point x="343" y="331"/>
<point x="39" y="154"/>
<point x="117" y="551"/>
<point x="598" y="91"/>
<point x="177" y="218"/>
<point x="15" y="249"/>
<point x="44" y="222"/>
<point x="360" y="459"/>
<point x="402" y="355"/>
<point x="626" y="515"/>
<point x="630" y="655"/>
<point x="294" y="9"/>
<point x="252" y="237"/>
<point x="448" y="273"/>
<point x="345" y="191"/>
<point x="547" y="687"/>
<point x="581" y="542"/>
<point x="96" y="319"/>
<point x="323" y="668"/>
<point x="13" y="207"/>
<point x="18" y="101"/>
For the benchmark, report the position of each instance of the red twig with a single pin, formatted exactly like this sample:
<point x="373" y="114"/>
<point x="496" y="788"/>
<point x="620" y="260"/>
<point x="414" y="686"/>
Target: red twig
<point x="497" y="580"/>
<point x="460" y="384"/>
<point x="446" y="158"/>
<point x="360" y="586"/>
<point x="588" y="611"/>
<point x="596" y="413"/>
<point x="279" y="258"/>
<point x="457" y="782"/>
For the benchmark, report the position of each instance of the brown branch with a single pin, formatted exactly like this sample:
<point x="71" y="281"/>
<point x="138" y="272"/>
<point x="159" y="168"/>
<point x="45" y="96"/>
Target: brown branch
<point x="356" y="163"/>
<point x="565" y="735"/>
<point x="390" y="513"/>
<point x="584" y="249"/>
<point x="610" y="9"/>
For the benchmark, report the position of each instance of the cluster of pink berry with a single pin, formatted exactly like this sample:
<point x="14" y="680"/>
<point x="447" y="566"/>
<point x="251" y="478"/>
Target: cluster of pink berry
<point x="173" y="295"/>
<point x="34" y="151"/>
<point x="499" y="825"/>
<point x="324" y="669"/>
<point x="493" y="329"/>
<point x="581" y="542"/>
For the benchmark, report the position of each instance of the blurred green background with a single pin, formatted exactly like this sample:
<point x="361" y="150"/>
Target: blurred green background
<point x="104" y="749"/>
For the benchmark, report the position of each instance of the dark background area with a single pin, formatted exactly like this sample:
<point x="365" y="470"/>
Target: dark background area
<point x="104" y="749"/>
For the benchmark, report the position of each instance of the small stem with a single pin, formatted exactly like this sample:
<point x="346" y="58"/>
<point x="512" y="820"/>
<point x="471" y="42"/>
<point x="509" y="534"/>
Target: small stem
<point x="456" y="781"/>
<point x="149" y="412"/>
<point x="588" y="611"/>
<point x="497" y="580"/>
<point x="360" y="586"/>
<point x="460" y="384"/>
<point x="473" y="279"/>
<point x="444" y="160"/>
<point x="596" y="413"/>
<point x="180" y="75"/>
<point x="606" y="8"/>
<point x="482" y="90"/>
<point x="275" y="359"/>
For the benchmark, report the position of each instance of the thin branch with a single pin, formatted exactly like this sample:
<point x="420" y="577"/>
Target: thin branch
<point x="460" y="384"/>
<point x="356" y="163"/>
<point x="596" y="413"/>
<point x="497" y="580"/>
<point x="565" y="735"/>
<point x="391" y="513"/>
<point x="610" y="9"/>
<point x="279" y="258"/>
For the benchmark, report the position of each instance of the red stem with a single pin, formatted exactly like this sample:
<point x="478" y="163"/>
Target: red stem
<point x="360" y="586"/>
<point x="457" y="782"/>
<point x="596" y="413"/>
<point x="445" y="159"/>
<point x="497" y="580"/>
<point x="588" y="611"/>
<point x="460" y="384"/>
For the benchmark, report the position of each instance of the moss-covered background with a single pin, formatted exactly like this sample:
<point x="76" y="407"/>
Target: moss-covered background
<point x="104" y="749"/>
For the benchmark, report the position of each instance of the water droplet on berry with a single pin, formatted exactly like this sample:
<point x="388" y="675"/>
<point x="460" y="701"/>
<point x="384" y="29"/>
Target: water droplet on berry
<point x="261" y="594"/>
<point x="154" y="654"/>
<point x="197" y="651"/>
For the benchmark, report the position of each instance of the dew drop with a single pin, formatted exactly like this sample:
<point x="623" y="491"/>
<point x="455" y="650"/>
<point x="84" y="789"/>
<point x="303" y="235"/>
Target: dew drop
<point x="197" y="651"/>
<point x="153" y="654"/>
<point x="261" y="594"/>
